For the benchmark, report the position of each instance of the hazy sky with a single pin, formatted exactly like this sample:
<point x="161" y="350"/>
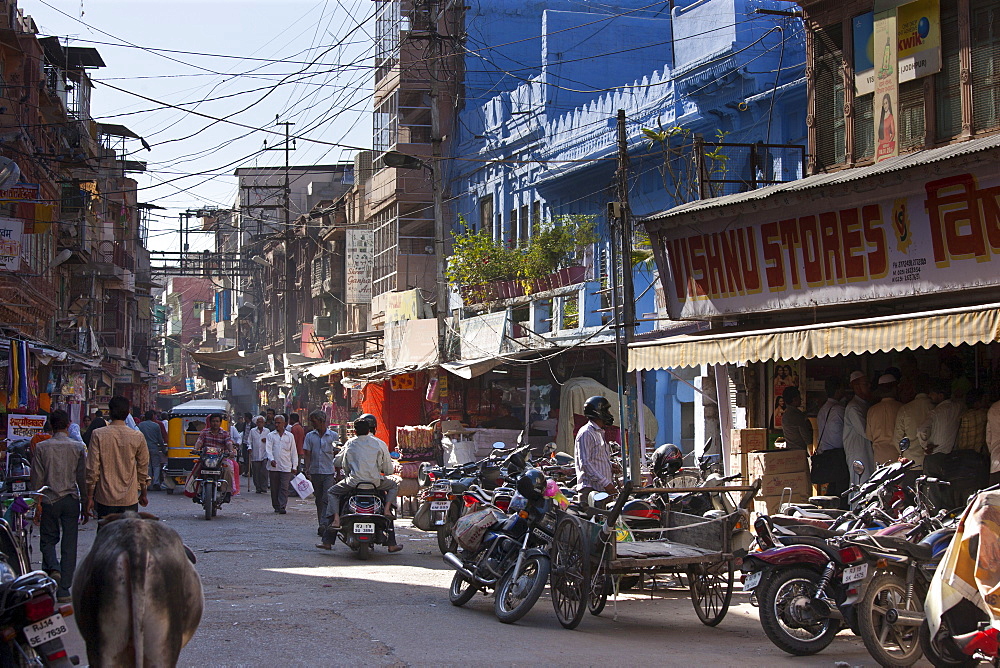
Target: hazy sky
<point x="324" y="87"/>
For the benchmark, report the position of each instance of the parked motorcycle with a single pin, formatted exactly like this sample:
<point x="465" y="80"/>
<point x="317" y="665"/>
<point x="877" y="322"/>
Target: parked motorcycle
<point x="512" y="557"/>
<point x="213" y="488"/>
<point x="32" y="625"/>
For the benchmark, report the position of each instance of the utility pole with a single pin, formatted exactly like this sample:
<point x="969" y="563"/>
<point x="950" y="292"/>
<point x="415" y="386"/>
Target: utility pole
<point x="288" y="315"/>
<point x="630" y="412"/>
<point x="434" y="56"/>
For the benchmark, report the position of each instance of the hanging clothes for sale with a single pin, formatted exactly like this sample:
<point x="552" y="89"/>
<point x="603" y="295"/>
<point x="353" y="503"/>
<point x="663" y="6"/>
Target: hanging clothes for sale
<point x="17" y="376"/>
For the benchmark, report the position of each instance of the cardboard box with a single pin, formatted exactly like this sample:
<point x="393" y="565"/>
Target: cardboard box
<point x="748" y="440"/>
<point x="777" y="461"/>
<point x="773" y="484"/>
<point x="769" y="505"/>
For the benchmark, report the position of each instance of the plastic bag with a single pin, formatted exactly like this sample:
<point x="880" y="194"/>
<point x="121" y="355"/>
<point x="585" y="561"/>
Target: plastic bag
<point x="302" y="485"/>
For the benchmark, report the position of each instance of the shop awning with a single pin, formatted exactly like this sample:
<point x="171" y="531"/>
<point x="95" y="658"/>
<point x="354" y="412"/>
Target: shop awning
<point x="472" y="368"/>
<point x="326" y="368"/>
<point x="980" y="324"/>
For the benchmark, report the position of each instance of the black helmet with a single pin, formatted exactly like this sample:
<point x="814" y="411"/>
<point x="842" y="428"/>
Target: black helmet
<point x="667" y="460"/>
<point x="598" y="408"/>
<point x="532" y="485"/>
<point x="370" y="419"/>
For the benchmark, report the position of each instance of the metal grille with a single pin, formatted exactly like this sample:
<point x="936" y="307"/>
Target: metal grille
<point x="864" y="127"/>
<point x="947" y="82"/>
<point x="985" y="64"/>
<point x="829" y="90"/>
<point x="911" y="114"/>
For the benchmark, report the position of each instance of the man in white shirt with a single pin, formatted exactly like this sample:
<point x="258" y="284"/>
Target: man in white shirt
<point x="364" y="459"/>
<point x="993" y="442"/>
<point x="857" y="447"/>
<point x="257" y="444"/>
<point x="911" y="417"/>
<point x="937" y="436"/>
<point x="282" y="459"/>
<point x="830" y="466"/>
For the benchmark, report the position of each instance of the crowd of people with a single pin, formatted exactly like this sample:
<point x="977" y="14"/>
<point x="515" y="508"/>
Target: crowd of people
<point x="947" y="427"/>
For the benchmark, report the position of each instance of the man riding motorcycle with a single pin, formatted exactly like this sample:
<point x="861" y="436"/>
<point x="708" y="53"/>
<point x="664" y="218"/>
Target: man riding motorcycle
<point x="213" y="436"/>
<point x="364" y="459"/>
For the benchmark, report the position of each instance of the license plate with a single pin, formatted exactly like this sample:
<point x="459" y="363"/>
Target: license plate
<point x="19" y="486"/>
<point x="440" y="506"/>
<point x="48" y="629"/>
<point x="364" y="527"/>
<point x="541" y="535"/>
<point x="752" y="581"/>
<point x="855" y="573"/>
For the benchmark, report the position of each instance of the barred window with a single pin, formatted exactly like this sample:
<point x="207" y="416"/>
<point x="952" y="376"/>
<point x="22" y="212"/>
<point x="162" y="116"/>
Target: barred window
<point x="911" y="114"/>
<point x="985" y="64"/>
<point x="864" y="127"/>
<point x="947" y="82"/>
<point x="831" y="144"/>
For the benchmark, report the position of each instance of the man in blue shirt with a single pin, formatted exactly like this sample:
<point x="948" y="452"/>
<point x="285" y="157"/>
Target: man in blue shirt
<point x="320" y="447"/>
<point x="150" y="428"/>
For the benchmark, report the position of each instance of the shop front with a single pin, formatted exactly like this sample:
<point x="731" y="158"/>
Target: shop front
<point x="893" y="267"/>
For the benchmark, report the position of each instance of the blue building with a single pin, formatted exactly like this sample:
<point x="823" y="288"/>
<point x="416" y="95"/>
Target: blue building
<point x="535" y="136"/>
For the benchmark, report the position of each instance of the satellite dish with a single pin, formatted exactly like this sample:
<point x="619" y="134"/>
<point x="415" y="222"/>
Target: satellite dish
<point x="10" y="173"/>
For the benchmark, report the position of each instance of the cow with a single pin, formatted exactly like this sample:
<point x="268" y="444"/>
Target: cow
<point x="137" y="595"/>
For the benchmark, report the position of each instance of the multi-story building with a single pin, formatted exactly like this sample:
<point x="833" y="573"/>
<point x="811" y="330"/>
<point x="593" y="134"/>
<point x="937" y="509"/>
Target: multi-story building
<point x="188" y="307"/>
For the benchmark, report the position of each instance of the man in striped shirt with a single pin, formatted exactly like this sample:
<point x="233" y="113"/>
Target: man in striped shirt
<point x="593" y="459"/>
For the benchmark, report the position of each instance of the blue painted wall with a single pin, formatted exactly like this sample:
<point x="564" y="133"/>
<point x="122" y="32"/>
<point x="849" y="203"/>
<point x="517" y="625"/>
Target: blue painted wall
<point x="543" y="83"/>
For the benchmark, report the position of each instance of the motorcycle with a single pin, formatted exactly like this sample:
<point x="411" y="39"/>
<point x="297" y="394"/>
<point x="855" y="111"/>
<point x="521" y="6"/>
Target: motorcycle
<point x="214" y="489"/>
<point x="363" y="523"/>
<point x="32" y="625"/>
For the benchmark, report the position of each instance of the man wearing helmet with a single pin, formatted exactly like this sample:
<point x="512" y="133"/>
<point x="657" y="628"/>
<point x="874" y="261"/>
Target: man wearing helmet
<point x="593" y="459"/>
<point x="364" y="458"/>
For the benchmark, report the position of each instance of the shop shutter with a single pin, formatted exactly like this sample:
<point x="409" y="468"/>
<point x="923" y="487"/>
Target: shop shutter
<point x="985" y="64"/>
<point x="829" y="91"/>
<point x="864" y="127"/>
<point x="911" y="114"/>
<point x="947" y="82"/>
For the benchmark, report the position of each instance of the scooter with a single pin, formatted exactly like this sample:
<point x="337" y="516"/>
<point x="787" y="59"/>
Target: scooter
<point x="363" y="523"/>
<point x="213" y="487"/>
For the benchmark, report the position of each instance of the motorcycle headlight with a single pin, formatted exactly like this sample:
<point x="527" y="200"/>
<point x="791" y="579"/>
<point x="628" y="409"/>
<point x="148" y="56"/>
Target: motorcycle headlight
<point x="7" y="574"/>
<point x="212" y="462"/>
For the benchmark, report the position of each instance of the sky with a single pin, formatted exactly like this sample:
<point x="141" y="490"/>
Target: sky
<point x="322" y="83"/>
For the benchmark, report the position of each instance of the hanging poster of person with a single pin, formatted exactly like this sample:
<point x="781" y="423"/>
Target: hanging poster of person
<point x="781" y="374"/>
<point x="886" y="86"/>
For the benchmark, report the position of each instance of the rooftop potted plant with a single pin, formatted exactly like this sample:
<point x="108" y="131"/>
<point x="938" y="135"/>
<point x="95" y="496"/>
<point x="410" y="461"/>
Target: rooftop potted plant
<point x="479" y="264"/>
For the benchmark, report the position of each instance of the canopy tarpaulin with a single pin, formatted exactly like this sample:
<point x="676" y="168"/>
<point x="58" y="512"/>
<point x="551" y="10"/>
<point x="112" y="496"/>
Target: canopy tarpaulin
<point x="910" y="331"/>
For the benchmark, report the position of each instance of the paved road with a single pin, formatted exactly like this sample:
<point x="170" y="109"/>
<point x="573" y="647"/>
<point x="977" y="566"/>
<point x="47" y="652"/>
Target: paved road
<point x="272" y="598"/>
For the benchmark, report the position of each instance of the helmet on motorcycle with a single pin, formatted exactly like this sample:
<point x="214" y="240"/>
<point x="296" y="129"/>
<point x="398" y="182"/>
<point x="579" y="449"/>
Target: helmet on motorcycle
<point x="362" y="427"/>
<point x="598" y="408"/>
<point x="667" y="460"/>
<point x="371" y="420"/>
<point x="531" y="485"/>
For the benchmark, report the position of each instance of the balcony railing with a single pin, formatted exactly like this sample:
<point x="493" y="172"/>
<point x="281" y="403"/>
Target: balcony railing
<point x="113" y="252"/>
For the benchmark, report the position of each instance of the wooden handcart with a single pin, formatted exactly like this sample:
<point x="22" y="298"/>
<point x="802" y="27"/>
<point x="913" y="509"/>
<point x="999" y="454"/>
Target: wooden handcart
<point x="586" y="555"/>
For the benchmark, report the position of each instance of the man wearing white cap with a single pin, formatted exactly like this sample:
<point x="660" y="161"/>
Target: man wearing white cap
<point x="857" y="447"/>
<point x="880" y="426"/>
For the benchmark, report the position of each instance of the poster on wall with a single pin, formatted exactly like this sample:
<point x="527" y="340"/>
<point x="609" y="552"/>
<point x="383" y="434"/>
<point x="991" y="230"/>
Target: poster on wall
<point x="10" y="244"/>
<point x="921" y="238"/>
<point x="886" y="86"/>
<point x="864" y="53"/>
<point x="918" y="37"/>
<point x="23" y="426"/>
<point x="781" y="374"/>
<point x="359" y="260"/>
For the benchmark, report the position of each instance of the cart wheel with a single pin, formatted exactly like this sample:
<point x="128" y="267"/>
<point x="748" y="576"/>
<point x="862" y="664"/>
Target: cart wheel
<point x="600" y="588"/>
<point x="570" y="579"/>
<point x="711" y="590"/>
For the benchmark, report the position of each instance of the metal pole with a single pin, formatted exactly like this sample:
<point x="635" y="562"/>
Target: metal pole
<point x="632" y="409"/>
<point x="527" y="400"/>
<point x="434" y="58"/>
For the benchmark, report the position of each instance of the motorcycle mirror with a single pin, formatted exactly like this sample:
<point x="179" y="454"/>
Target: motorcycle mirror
<point x="499" y="445"/>
<point x="859" y="467"/>
<point x="597" y="498"/>
<point x="904" y="445"/>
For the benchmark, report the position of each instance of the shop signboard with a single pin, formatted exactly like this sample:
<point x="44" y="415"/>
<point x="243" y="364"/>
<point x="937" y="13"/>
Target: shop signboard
<point x="942" y="235"/>
<point x="10" y="244"/>
<point x="23" y="426"/>
<point x="918" y="31"/>
<point x="864" y="53"/>
<point x="359" y="260"/>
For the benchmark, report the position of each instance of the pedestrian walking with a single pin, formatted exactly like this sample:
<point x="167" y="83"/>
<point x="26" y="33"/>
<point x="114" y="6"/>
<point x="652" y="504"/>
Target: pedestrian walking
<point x="857" y="447"/>
<point x="911" y="417"/>
<point x="880" y="422"/>
<point x="282" y="459"/>
<point x="117" y="464"/>
<point x="258" y="455"/>
<point x="319" y="450"/>
<point x="157" y="448"/>
<point x="60" y="464"/>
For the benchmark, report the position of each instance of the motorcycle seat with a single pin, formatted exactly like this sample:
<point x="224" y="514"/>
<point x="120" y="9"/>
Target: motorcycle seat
<point x="916" y="551"/>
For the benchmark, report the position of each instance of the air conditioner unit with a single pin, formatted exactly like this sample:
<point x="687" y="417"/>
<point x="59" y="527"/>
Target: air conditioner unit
<point x="324" y="326"/>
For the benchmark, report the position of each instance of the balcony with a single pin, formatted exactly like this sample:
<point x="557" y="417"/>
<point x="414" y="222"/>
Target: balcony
<point x="113" y="263"/>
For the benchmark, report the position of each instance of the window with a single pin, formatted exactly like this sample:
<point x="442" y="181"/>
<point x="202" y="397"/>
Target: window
<point x="911" y="115"/>
<point x="388" y="23"/>
<point x="486" y="212"/>
<point x="985" y="25"/>
<point x="947" y="82"/>
<point x="864" y="127"/>
<point x="524" y="231"/>
<point x="510" y="235"/>
<point x="386" y="123"/>
<point x="829" y="95"/>
<point x="536" y="217"/>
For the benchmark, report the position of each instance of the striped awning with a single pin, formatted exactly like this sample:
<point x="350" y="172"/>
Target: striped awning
<point x="980" y="324"/>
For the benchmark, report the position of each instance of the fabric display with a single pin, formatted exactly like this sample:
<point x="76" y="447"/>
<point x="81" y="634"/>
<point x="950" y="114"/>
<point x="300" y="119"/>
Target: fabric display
<point x="416" y="442"/>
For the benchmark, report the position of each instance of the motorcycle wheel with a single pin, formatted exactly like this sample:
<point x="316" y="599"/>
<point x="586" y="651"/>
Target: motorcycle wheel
<point x="938" y="657"/>
<point x="364" y="551"/>
<point x="515" y="597"/>
<point x="711" y="590"/>
<point x="446" y="537"/>
<point x="208" y="500"/>
<point x="461" y="590"/>
<point x="775" y="618"/>
<point x="600" y="589"/>
<point x="890" y="644"/>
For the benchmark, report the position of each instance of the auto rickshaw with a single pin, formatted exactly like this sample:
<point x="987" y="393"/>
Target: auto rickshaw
<point x="185" y="423"/>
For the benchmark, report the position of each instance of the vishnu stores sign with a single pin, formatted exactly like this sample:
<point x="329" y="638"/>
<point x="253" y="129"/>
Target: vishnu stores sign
<point x="944" y="237"/>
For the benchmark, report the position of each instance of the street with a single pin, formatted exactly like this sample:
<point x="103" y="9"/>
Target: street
<point x="272" y="598"/>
